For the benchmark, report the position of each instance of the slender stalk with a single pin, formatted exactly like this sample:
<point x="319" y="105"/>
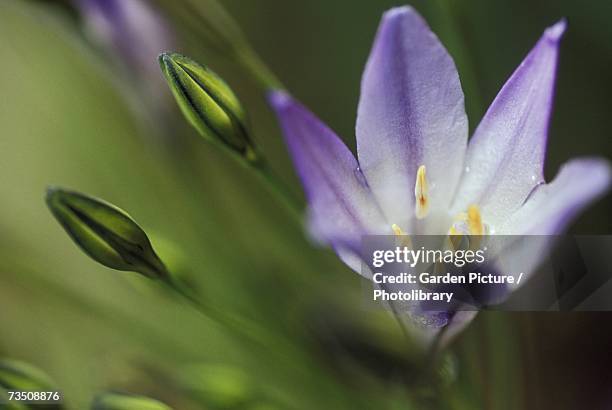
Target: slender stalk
<point x="259" y="71"/>
<point x="223" y="34"/>
<point x="240" y="328"/>
<point x="244" y="329"/>
<point x="433" y="353"/>
<point x="445" y="14"/>
<point x="280" y="189"/>
<point x="427" y="377"/>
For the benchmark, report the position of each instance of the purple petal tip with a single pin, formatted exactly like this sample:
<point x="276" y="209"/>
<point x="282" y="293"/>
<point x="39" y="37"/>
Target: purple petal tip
<point x="555" y="32"/>
<point x="398" y="12"/>
<point x="600" y="169"/>
<point x="279" y="99"/>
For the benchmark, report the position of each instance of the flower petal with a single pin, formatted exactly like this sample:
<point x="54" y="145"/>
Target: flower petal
<point x="411" y="113"/>
<point x="340" y="203"/>
<point x="134" y="29"/>
<point x="505" y="157"/>
<point x="551" y="207"/>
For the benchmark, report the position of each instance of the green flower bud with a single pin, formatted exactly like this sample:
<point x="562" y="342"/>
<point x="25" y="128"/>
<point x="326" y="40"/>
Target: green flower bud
<point x="16" y="375"/>
<point x="20" y="376"/>
<point x="216" y="385"/>
<point x="106" y="233"/>
<point x="262" y="406"/>
<point x="209" y="104"/>
<point x="121" y="401"/>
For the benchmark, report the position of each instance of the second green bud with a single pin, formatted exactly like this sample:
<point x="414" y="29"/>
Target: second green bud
<point x="208" y="103"/>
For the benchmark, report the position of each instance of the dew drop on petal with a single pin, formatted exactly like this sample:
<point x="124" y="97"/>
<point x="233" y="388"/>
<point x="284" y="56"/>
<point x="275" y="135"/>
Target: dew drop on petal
<point x="430" y="319"/>
<point x="360" y="177"/>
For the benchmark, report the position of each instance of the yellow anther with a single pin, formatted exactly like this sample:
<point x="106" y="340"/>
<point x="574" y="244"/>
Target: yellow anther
<point x="421" y="194"/>
<point x="401" y="235"/>
<point x="454" y="237"/>
<point x="474" y="220"/>
<point x="461" y="217"/>
<point x="397" y="230"/>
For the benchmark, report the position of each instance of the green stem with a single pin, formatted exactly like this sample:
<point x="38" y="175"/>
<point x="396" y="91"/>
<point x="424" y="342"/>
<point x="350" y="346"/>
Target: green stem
<point x="241" y="328"/>
<point x="432" y="355"/>
<point x="399" y="321"/>
<point x="463" y="58"/>
<point x="279" y="188"/>
<point x="259" y="71"/>
<point x="238" y="327"/>
<point x="223" y="34"/>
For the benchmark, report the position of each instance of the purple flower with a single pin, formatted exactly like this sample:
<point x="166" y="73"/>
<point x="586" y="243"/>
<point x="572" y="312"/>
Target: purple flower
<point x="416" y="172"/>
<point x="132" y="33"/>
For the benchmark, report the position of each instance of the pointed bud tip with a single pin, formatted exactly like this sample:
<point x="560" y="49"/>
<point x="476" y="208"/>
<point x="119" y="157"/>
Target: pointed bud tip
<point x="163" y="58"/>
<point x="53" y="193"/>
<point x="104" y="232"/>
<point x="167" y="59"/>
<point x="171" y="58"/>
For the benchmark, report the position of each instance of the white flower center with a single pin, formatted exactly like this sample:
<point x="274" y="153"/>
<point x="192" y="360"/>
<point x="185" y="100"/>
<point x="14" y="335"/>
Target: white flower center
<point x="465" y="223"/>
<point x="469" y="223"/>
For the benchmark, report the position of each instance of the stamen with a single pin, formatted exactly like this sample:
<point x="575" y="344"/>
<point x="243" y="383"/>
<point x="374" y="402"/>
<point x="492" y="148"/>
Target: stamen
<point x="454" y="237"/>
<point x="474" y="220"/>
<point x="397" y="230"/>
<point x="401" y="235"/>
<point x="467" y="223"/>
<point x="421" y="191"/>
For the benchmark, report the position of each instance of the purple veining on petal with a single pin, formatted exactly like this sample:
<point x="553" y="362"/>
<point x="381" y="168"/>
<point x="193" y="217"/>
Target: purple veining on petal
<point x="109" y="8"/>
<point x="411" y="113"/>
<point x="341" y="206"/>
<point x="361" y="178"/>
<point x="131" y="34"/>
<point x="131" y="30"/>
<point x="431" y="319"/>
<point x="505" y="157"/>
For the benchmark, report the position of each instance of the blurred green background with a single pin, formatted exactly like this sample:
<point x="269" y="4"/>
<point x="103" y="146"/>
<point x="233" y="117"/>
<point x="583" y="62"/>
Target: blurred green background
<point x="72" y="115"/>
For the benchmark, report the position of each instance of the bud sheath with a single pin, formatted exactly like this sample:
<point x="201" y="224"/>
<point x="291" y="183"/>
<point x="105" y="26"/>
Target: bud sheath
<point x="208" y="103"/>
<point x="16" y="375"/>
<point x="106" y="233"/>
<point x="120" y="401"/>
